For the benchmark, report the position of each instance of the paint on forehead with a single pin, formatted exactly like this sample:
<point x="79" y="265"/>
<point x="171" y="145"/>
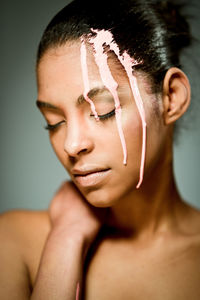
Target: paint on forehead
<point x="86" y="78"/>
<point x="110" y="84"/>
<point x="104" y="37"/>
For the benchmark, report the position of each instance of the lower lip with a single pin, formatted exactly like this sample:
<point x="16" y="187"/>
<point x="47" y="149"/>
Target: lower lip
<point x="92" y="179"/>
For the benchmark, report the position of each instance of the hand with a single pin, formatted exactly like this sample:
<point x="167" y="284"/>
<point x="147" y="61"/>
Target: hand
<point x="71" y="212"/>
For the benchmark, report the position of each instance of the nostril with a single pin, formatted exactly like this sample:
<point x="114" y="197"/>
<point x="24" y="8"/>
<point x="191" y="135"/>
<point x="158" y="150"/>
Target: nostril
<point x="83" y="150"/>
<point x="72" y="159"/>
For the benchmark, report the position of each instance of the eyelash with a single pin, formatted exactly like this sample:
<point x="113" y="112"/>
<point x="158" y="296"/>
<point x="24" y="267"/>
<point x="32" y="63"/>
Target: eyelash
<point x="53" y="127"/>
<point x="101" y="117"/>
<point x="106" y="116"/>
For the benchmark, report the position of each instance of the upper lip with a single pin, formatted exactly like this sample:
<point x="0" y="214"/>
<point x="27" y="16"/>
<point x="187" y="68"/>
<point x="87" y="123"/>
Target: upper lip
<point x="87" y="170"/>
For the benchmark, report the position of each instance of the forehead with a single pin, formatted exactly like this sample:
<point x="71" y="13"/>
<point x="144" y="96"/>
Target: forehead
<point x="59" y="73"/>
<point x="66" y="59"/>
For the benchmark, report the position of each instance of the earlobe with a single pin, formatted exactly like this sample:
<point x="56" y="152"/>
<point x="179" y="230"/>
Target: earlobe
<point x="176" y="95"/>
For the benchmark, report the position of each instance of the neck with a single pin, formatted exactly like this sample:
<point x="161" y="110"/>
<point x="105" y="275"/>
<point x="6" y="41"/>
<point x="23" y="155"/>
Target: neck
<point x="153" y="207"/>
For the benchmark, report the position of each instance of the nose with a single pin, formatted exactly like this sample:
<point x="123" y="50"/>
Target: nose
<point x="78" y="140"/>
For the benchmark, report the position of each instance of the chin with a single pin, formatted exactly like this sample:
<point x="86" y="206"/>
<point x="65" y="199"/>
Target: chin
<point x="101" y="198"/>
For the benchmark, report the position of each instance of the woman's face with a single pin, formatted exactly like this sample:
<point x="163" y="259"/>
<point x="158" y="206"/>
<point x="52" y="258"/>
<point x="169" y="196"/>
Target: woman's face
<point x="84" y="145"/>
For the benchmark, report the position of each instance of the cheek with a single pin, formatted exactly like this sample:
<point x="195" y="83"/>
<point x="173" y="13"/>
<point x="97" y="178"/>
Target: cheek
<point x="108" y="140"/>
<point x="133" y="131"/>
<point x="108" y="137"/>
<point x="154" y="142"/>
<point x="57" y="141"/>
<point x="132" y="127"/>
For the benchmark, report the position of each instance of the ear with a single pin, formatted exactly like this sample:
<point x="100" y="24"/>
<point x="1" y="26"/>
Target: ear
<point x="176" y="95"/>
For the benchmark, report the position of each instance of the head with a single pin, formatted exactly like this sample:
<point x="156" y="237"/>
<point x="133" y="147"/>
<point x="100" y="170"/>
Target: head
<point x="153" y="36"/>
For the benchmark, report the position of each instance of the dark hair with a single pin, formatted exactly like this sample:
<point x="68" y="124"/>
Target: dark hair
<point x="154" y="32"/>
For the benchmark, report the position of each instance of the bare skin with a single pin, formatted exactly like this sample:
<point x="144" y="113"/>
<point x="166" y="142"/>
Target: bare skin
<point x="162" y="266"/>
<point x="119" y="242"/>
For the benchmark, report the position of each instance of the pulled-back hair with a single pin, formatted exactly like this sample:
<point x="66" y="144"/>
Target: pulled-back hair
<point x="153" y="32"/>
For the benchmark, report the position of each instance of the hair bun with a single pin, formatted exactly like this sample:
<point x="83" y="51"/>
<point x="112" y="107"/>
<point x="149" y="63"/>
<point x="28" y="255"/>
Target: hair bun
<point x="177" y="25"/>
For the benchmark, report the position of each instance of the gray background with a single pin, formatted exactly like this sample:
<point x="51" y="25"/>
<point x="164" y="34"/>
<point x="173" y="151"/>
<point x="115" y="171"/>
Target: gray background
<point x="30" y="171"/>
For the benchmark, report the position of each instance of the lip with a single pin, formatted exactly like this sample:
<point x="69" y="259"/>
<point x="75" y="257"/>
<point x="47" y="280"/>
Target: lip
<point x="90" y="177"/>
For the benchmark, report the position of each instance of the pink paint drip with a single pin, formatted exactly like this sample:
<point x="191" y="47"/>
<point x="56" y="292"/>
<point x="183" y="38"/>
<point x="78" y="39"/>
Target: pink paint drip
<point x="77" y="291"/>
<point x="109" y="83"/>
<point x="105" y="36"/>
<point x="86" y="79"/>
<point x="139" y="103"/>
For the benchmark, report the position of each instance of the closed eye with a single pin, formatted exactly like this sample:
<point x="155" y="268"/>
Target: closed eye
<point x="106" y="116"/>
<point x="54" y="126"/>
<point x="51" y="127"/>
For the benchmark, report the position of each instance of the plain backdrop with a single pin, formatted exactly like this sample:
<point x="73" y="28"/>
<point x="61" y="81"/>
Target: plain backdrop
<point x="30" y="171"/>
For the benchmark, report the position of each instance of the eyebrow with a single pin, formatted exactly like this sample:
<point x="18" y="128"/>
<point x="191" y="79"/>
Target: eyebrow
<point x="93" y="92"/>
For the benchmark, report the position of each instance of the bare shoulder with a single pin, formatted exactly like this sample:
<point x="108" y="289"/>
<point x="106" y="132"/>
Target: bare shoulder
<point x="22" y="226"/>
<point x="22" y="237"/>
<point x="19" y="218"/>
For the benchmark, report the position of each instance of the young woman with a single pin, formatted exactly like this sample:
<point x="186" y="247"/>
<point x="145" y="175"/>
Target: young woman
<point x="111" y="89"/>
